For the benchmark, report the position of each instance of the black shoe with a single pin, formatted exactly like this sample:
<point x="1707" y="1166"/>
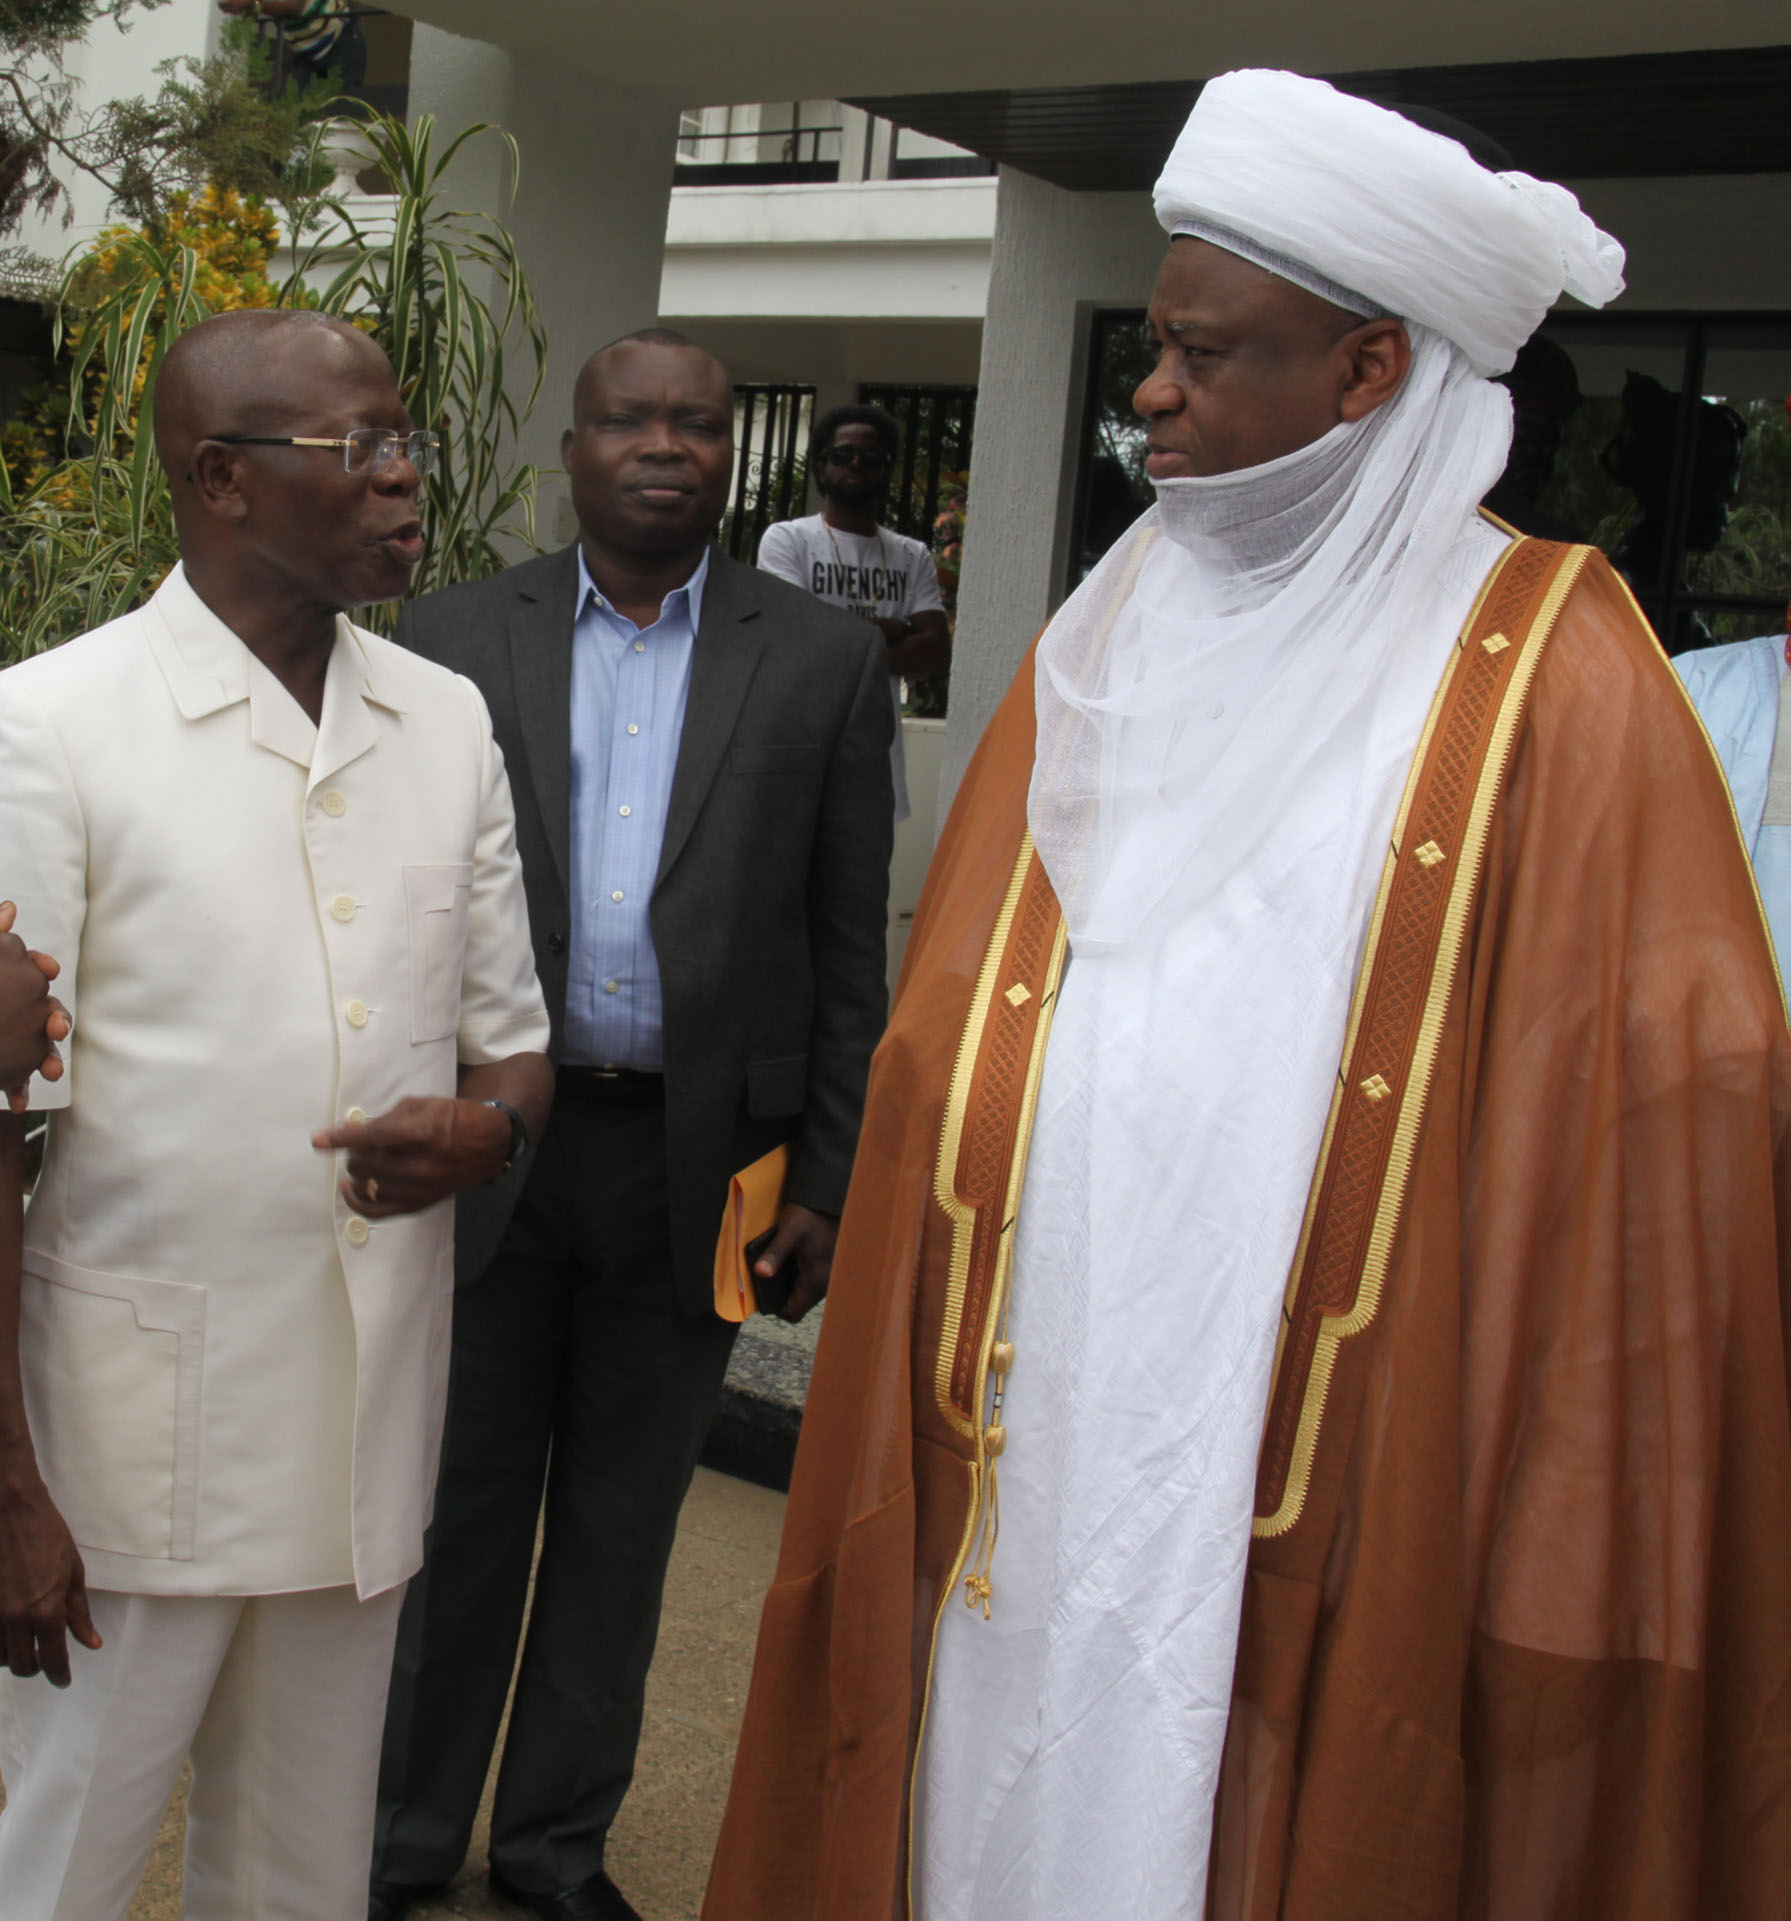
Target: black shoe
<point x="393" y="1900"/>
<point x="598" y="1899"/>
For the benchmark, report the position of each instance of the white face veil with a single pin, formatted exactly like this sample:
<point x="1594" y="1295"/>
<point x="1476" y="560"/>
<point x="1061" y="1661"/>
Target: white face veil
<point x="1238" y="648"/>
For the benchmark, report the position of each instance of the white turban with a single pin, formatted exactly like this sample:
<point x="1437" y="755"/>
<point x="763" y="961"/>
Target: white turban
<point x="1383" y="215"/>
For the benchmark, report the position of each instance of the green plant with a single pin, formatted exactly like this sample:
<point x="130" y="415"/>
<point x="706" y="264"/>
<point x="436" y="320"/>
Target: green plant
<point x="91" y="536"/>
<point x="74" y="560"/>
<point x="409" y="287"/>
<point x="209" y="121"/>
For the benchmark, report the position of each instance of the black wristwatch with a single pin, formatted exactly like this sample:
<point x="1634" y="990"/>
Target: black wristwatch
<point x="519" y="1133"/>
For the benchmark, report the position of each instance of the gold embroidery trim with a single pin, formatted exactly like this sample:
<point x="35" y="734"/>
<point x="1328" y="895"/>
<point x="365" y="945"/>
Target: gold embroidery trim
<point x="992" y="1441"/>
<point x="1370" y="950"/>
<point x="1334" y="1330"/>
<point x="962" y="1214"/>
<point x="963" y="1219"/>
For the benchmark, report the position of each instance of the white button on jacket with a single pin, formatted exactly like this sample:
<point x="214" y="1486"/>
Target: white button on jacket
<point x="235" y="1384"/>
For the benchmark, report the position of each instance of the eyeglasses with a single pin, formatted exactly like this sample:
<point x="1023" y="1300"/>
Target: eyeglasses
<point x="364" y="451"/>
<point x="870" y="458"/>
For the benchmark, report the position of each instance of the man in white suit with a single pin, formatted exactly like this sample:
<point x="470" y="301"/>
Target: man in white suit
<point x="275" y="856"/>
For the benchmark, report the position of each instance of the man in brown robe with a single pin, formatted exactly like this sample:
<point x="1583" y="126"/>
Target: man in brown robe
<point x="1506" y="1610"/>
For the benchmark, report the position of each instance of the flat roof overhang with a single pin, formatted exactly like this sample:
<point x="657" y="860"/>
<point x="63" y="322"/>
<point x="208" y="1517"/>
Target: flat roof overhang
<point x="715" y="51"/>
<point x="1620" y="117"/>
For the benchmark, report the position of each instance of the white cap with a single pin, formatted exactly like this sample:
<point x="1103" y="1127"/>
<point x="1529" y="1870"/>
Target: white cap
<point x="1379" y="214"/>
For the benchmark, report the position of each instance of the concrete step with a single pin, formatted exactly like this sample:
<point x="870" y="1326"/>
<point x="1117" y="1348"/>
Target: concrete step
<point x="753" y="1435"/>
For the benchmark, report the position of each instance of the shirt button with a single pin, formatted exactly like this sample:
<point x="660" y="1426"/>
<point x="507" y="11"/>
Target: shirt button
<point x="640" y="646"/>
<point x="355" y="1114"/>
<point x="357" y="1231"/>
<point x="624" y="811"/>
<point x="334" y="805"/>
<point x="632" y="728"/>
<point x="356" y="1013"/>
<point x="617" y="895"/>
<point x="611" y="987"/>
<point x="343" y="907"/>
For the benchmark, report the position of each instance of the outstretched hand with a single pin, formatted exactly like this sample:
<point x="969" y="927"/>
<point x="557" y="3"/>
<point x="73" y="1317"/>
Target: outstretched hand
<point x="807" y="1239"/>
<point x="419" y="1152"/>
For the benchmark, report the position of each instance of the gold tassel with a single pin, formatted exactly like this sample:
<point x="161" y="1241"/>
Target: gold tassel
<point x="979" y="1582"/>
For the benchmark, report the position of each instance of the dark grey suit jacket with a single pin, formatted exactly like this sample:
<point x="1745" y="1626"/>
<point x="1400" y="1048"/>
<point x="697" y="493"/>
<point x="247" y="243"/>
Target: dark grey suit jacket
<point x="769" y="912"/>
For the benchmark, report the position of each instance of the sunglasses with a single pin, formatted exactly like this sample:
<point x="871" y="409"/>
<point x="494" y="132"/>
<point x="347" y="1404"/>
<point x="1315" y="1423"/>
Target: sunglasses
<point x="871" y="459"/>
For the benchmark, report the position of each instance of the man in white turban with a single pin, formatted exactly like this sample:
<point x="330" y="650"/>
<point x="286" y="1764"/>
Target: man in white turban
<point x="1301" y="1429"/>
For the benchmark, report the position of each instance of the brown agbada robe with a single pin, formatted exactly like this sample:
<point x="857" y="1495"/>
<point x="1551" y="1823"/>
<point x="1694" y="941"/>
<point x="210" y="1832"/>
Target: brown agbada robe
<point x="1526" y="1652"/>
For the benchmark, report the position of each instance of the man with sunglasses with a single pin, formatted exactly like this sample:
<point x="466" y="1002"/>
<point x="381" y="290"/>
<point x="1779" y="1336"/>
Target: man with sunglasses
<point x="276" y="858"/>
<point x="844" y="556"/>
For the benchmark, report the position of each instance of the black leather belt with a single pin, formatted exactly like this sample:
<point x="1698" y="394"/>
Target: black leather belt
<point x="611" y="1086"/>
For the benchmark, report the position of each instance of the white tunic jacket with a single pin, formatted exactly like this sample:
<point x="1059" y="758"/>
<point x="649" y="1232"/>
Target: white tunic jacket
<point x="235" y="1383"/>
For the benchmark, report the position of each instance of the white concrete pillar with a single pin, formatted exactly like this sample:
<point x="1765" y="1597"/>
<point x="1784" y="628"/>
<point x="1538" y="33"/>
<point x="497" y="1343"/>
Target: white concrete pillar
<point x="589" y="216"/>
<point x="1057" y="257"/>
<point x="855" y="143"/>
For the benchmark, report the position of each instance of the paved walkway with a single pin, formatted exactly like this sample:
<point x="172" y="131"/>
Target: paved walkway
<point x="659" y="1851"/>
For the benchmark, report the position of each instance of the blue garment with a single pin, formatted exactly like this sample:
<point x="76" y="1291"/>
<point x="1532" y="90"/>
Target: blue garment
<point x="1736" y="692"/>
<point x="629" y="686"/>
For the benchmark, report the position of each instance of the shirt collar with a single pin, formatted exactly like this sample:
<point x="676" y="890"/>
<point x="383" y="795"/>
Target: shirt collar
<point x="207" y="667"/>
<point x="692" y="591"/>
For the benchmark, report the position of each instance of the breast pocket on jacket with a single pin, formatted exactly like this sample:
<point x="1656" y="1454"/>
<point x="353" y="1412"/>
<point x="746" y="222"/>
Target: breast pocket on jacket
<point x="436" y="901"/>
<point x="112" y="1367"/>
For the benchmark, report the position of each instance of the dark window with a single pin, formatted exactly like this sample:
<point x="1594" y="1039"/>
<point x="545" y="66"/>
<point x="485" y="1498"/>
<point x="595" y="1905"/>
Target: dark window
<point x="1660" y="438"/>
<point x="1112" y="488"/>
<point x="1670" y="452"/>
<point x="771" y="427"/>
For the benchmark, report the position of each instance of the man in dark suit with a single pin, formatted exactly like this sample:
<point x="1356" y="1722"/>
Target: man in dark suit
<point x="700" y="761"/>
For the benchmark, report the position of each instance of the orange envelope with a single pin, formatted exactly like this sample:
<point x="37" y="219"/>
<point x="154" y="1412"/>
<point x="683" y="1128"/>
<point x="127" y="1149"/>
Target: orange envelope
<point x="753" y="1196"/>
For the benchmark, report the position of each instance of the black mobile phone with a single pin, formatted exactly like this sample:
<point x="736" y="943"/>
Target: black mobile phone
<point x="773" y="1293"/>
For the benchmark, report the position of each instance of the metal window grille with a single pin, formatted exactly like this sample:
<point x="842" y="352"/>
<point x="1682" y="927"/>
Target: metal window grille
<point x="804" y="154"/>
<point x="938" y="424"/>
<point x="771" y="428"/>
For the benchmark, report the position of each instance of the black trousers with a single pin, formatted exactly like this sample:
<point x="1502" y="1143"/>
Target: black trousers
<point x="570" y="1366"/>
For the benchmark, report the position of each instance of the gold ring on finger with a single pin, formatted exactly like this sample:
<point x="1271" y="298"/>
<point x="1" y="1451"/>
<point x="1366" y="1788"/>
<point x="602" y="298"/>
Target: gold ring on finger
<point x="373" y="1191"/>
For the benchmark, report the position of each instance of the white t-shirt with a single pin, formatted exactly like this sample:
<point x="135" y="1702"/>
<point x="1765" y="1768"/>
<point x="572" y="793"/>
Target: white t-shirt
<point x="883" y="576"/>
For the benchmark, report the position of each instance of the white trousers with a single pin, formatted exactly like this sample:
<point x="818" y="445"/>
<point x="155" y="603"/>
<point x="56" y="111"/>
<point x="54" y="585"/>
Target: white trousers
<point x="278" y="1699"/>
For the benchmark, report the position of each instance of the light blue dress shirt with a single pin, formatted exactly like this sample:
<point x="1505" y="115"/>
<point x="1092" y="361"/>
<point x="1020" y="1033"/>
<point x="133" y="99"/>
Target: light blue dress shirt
<point x="1736" y="691"/>
<point x="629" y="686"/>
